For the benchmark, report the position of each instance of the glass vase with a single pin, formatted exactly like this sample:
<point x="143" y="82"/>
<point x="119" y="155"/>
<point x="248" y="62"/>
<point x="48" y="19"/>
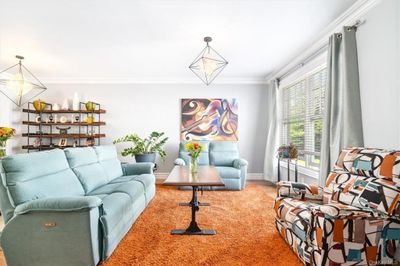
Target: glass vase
<point x="193" y="165"/>
<point x="3" y="151"/>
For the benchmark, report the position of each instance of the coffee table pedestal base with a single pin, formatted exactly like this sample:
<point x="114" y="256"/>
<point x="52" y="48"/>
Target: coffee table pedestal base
<point x="190" y="204"/>
<point x="185" y="232"/>
<point x="193" y="228"/>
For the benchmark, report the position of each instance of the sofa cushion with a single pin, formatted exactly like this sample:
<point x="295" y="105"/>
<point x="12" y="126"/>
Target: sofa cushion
<point x="227" y="172"/>
<point x="223" y="153"/>
<point x="91" y="176"/>
<point x="147" y="180"/>
<point x="85" y="165"/>
<point x="39" y="175"/>
<point x="133" y="189"/>
<point x="380" y="194"/>
<point x="295" y="214"/>
<point x="108" y="159"/>
<point x="119" y="214"/>
<point x="203" y="159"/>
<point x="370" y="162"/>
<point x="116" y="207"/>
<point x="119" y="201"/>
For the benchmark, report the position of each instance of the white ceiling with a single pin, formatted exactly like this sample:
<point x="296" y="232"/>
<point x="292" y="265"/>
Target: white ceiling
<point x="157" y="40"/>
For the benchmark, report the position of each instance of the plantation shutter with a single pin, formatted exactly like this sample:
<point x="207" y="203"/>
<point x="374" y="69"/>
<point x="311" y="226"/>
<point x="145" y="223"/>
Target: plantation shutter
<point x="302" y="109"/>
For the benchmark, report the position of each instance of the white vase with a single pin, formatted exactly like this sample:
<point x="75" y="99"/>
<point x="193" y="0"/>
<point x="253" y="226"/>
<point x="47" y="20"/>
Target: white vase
<point x="75" y="102"/>
<point x="65" y="105"/>
<point x="56" y="107"/>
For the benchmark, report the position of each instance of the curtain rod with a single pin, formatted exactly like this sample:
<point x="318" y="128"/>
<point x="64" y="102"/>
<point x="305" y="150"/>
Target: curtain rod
<point x="318" y="52"/>
<point x="315" y="54"/>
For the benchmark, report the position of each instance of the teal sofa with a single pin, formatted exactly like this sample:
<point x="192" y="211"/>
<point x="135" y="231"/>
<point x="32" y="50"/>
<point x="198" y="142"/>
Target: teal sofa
<point x="224" y="155"/>
<point x="70" y="207"/>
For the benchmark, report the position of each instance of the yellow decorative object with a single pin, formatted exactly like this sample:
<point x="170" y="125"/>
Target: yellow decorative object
<point x="39" y="105"/>
<point x="90" y="106"/>
<point x="90" y="119"/>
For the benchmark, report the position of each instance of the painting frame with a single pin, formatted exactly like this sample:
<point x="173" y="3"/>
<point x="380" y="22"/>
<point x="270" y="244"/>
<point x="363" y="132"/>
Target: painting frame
<point x="210" y="119"/>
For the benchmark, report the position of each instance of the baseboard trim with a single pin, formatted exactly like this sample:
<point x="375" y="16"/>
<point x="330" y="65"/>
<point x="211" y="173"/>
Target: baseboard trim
<point x="255" y="176"/>
<point x="250" y="176"/>
<point x="161" y="176"/>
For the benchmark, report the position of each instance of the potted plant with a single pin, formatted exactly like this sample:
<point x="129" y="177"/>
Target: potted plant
<point x="145" y="149"/>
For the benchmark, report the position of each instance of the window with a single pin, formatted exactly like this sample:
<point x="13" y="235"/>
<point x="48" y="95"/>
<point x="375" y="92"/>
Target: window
<point x="302" y="109"/>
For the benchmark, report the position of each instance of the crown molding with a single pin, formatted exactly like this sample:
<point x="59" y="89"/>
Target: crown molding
<point x="149" y="81"/>
<point x="347" y="18"/>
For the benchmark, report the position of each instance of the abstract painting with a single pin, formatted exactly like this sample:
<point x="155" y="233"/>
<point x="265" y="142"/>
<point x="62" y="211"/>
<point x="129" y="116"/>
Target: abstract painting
<point x="209" y="119"/>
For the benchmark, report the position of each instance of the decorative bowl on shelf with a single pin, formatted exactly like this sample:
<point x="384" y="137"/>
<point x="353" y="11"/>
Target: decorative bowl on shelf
<point x="90" y="106"/>
<point x="39" y="105"/>
<point x="90" y="119"/>
<point x="63" y="119"/>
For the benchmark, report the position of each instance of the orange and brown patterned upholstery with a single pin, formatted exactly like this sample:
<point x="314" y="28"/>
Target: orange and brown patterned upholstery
<point x="299" y="190"/>
<point x="353" y="220"/>
<point x="370" y="162"/>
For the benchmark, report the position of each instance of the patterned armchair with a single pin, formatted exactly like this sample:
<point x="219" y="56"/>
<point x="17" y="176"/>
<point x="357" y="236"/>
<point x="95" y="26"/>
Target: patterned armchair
<point x="353" y="220"/>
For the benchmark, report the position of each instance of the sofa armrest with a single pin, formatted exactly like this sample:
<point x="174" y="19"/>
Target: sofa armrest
<point x="340" y="211"/>
<point x="239" y="163"/>
<point x="137" y="168"/>
<point x="299" y="190"/>
<point x="42" y="229"/>
<point x="179" y="161"/>
<point x="64" y="204"/>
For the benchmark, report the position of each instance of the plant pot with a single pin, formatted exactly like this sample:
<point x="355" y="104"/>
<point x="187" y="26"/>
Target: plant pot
<point x="145" y="158"/>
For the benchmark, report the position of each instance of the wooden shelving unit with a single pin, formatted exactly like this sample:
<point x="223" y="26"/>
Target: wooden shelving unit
<point x="33" y="123"/>
<point x="100" y="111"/>
<point x="43" y="134"/>
<point x="74" y="136"/>
<point x="48" y="147"/>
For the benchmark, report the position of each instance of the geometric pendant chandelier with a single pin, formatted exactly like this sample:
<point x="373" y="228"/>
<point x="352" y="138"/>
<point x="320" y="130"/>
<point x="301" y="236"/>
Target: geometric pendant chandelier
<point x="19" y="84"/>
<point x="208" y="64"/>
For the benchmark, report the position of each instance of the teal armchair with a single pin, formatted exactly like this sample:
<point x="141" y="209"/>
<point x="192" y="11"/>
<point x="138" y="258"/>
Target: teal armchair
<point x="224" y="155"/>
<point x="70" y="207"/>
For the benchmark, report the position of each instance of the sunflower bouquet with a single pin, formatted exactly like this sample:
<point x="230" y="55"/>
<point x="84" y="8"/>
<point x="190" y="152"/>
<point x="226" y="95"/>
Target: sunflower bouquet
<point x="6" y="133"/>
<point x="194" y="149"/>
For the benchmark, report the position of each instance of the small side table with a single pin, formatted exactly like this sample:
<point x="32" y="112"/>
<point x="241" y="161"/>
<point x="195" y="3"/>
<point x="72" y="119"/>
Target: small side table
<point x="289" y="161"/>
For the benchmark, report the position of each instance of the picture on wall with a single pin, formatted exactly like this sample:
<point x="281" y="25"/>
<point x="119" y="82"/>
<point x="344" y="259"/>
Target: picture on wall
<point x="209" y="119"/>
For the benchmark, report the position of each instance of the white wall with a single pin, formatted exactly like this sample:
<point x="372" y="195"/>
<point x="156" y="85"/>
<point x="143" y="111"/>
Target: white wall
<point x="7" y="115"/>
<point x="144" y="108"/>
<point x="378" y="43"/>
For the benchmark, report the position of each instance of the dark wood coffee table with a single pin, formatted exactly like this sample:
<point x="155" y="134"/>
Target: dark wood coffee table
<point x="205" y="176"/>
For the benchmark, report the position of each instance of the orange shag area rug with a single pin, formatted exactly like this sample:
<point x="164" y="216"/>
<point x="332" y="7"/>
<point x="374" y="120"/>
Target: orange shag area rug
<point x="244" y="221"/>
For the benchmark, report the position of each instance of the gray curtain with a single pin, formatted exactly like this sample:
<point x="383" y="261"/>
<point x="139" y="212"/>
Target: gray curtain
<point x="270" y="161"/>
<point x="342" y="125"/>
